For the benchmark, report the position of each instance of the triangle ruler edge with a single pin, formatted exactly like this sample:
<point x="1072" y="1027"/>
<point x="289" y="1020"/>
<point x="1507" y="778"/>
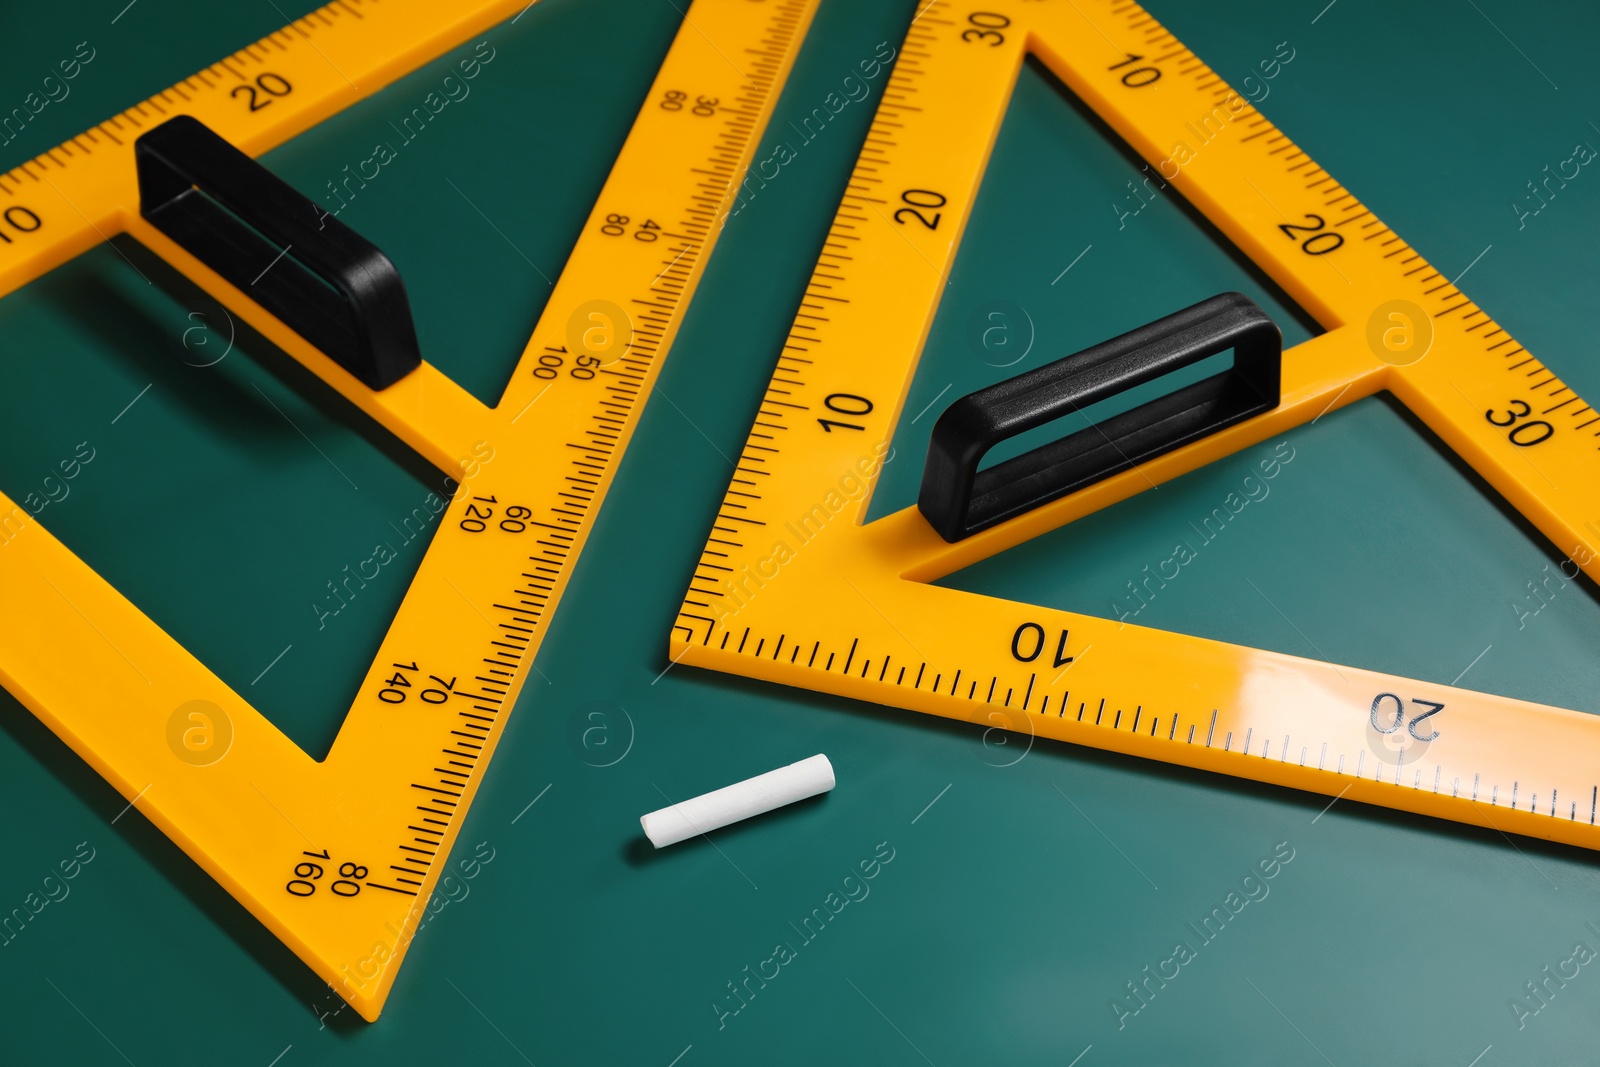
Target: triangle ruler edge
<point x="794" y="588"/>
<point x="338" y="857"/>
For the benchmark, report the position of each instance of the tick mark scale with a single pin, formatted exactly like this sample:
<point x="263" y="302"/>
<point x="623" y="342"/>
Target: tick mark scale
<point x="794" y="589"/>
<point x="338" y="857"/>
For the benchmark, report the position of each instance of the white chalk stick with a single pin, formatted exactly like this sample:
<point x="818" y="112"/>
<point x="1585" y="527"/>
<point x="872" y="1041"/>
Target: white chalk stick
<point x="739" y="801"/>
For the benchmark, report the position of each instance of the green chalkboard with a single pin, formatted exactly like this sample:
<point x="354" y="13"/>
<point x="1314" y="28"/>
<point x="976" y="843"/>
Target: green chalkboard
<point x="1019" y="890"/>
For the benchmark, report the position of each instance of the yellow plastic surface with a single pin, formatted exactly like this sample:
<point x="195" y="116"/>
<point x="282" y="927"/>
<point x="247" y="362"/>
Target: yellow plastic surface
<point x="374" y="817"/>
<point x="793" y="588"/>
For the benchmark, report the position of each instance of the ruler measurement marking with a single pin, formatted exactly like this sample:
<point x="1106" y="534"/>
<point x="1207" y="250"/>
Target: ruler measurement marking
<point x="778" y="36"/>
<point x="830" y="286"/>
<point x="669" y="301"/>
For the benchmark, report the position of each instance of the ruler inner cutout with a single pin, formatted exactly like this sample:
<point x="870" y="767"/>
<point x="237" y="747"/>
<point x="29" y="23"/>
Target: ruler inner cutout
<point x="794" y="588"/>
<point x="338" y="857"/>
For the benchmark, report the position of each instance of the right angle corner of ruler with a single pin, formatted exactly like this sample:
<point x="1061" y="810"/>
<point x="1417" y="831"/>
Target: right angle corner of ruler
<point x="338" y="857"/>
<point x="792" y="587"/>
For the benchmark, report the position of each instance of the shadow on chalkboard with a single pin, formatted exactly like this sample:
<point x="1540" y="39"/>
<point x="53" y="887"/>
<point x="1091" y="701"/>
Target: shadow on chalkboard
<point x="178" y="353"/>
<point x="1069" y="756"/>
<point x="182" y="873"/>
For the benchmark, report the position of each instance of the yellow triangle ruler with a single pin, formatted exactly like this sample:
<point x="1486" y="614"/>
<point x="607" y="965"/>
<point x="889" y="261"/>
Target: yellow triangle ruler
<point x="338" y="857"/>
<point x="793" y="588"/>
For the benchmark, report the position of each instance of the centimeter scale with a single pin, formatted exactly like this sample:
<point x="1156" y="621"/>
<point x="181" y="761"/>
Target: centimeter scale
<point x="793" y="588"/>
<point x="338" y="858"/>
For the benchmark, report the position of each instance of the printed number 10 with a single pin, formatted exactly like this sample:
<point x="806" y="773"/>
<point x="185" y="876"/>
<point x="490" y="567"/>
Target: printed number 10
<point x="845" y="404"/>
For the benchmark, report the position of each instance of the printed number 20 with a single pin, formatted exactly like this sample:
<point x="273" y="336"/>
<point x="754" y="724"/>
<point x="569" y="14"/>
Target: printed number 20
<point x="921" y="198"/>
<point x="1321" y="241"/>
<point x="1382" y="711"/>
<point x="269" y="83"/>
<point x="1522" y="434"/>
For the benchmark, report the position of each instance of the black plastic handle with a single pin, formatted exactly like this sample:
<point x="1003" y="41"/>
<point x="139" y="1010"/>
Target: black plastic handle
<point x="959" y="500"/>
<point x="321" y="278"/>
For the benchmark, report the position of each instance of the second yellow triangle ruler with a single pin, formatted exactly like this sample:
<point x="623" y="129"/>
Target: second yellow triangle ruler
<point x="793" y="588"/>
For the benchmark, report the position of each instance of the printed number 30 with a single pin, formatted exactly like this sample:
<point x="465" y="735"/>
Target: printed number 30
<point x="1522" y="434"/>
<point x="987" y="26"/>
